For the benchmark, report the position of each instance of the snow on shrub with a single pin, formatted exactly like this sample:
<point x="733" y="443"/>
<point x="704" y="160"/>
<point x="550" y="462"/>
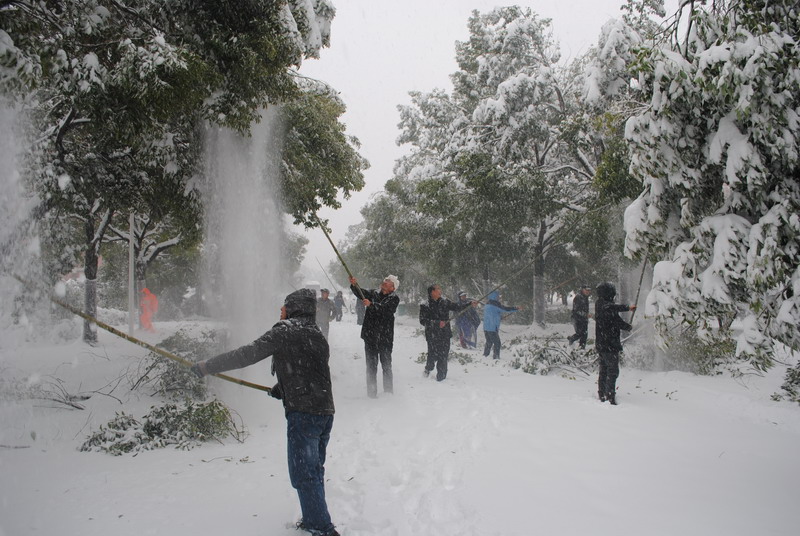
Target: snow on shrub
<point x="184" y="426"/>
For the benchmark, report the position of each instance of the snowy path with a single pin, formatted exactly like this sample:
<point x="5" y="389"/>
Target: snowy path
<point x="490" y="451"/>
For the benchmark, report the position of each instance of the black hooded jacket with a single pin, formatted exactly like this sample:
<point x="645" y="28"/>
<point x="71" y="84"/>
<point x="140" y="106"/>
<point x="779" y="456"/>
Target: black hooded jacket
<point x="607" y="321"/>
<point x="299" y="357"/>
<point x="378" y="326"/>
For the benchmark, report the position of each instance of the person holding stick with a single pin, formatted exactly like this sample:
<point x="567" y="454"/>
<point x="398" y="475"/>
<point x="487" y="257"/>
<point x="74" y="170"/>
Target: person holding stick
<point x="435" y="316"/>
<point x="607" y="342"/>
<point x="300" y="357"/>
<point x="492" y="316"/>
<point x="377" y="331"/>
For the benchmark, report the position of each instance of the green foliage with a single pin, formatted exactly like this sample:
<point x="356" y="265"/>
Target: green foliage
<point x="791" y="385"/>
<point x="717" y="153"/>
<point x="172" y="379"/>
<point x="320" y="160"/>
<point x="687" y="351"/>
<point x="184" y="426"/>
<point x="544" y="356"/>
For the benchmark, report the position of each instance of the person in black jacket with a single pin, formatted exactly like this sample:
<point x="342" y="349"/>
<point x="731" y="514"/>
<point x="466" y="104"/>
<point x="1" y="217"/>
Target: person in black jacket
<point x="300" y="356"/>
<point x="607" y="331"/>
<point x="580" y="316"/>
<point x="378" y="330"/>
<point x="435" y="316"/>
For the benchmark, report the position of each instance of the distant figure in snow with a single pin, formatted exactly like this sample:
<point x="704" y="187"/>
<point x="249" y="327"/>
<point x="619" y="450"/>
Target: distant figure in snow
<point x="338" y="302"/>
<point x="378" y="330"/>
<point x="435" y="316"/>
<point x="326" y="311"/>
<point x="607" y="334"/>
<point x="148" y="303"/>
<point x="492" y="316"/>
<point x="300" y="360"/>
<point x="580" y="316"/>
<point x="467" y="323"/>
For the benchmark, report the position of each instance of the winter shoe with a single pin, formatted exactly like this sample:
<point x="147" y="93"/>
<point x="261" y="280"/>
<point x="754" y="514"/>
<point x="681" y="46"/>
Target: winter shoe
<point x="602" y="397"/>
<point x="612" y="398"/>
<point x="300" y="526"/>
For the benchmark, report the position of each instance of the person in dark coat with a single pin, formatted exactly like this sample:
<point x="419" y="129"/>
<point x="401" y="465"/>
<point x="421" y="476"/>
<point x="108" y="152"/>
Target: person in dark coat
<point x="300" y="361"/>
<point x="580" y="316"/>
<point x="467" y="323"/>
<point x="435" y="316"/>
<point x="378" y="330"/>
<point x="326" y="311"/>
<point x="607" y="334"/>
<point x="338" y="303"/>
<point x="492" y="316"/>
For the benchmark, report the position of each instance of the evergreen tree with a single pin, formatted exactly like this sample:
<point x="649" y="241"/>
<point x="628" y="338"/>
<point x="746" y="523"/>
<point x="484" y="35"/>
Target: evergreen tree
<point x="717" y="150"/>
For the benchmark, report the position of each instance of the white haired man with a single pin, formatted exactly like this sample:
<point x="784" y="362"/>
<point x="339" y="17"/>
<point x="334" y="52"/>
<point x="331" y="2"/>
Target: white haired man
<point x="378" y="330"/>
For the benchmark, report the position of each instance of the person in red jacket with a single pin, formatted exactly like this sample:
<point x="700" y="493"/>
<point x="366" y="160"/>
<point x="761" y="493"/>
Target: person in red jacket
<point x="148" y="303"/>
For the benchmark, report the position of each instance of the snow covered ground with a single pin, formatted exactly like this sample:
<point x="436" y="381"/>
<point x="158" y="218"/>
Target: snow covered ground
<point x="490" y="451"/>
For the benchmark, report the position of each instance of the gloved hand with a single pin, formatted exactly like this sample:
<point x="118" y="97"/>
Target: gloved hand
<point x="276" y="391"/>
<point x="198" y="369"/>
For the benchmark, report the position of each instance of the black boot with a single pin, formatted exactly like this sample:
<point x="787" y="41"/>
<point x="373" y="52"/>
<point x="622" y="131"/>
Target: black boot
<point x="612" y="398"/>
<point x="602" y="396"/>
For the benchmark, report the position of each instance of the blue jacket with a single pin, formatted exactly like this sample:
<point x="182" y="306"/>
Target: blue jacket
<point x="493" y="311"/>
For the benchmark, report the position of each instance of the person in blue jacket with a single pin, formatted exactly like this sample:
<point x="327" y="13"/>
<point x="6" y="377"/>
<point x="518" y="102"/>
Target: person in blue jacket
<point x="492" y="315"/>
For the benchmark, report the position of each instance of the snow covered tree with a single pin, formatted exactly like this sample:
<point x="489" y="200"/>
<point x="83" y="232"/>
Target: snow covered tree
<point x="499" y="168"/>
<point x="320" y="161"/>
<point x="717" y="150"/>
<point x="109" y="86"/>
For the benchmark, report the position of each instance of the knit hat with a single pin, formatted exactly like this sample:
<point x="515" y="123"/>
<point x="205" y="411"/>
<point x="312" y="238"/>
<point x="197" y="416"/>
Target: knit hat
<point x="394" y="280"/>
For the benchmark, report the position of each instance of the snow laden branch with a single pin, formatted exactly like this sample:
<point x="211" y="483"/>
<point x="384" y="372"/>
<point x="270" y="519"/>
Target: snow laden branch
<point x="718" y="155"/>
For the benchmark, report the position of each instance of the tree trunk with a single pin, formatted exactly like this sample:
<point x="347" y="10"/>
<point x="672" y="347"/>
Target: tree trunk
<point x="539" y="306"/>
<point x="90" y="286"/>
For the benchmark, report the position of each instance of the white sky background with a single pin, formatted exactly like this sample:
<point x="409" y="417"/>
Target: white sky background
<point x="380" y="50"/>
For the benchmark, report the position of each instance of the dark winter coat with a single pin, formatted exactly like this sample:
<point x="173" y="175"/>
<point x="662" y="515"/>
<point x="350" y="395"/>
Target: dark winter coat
<point x="378" y="326"/>
<point x="580" y="307"/>
<point x="608" y="325"/>
<point x="299" y="357"/>
<point x="326" y="311"/>
<point x="433" y="313"/>
<point x="468" y="319"/>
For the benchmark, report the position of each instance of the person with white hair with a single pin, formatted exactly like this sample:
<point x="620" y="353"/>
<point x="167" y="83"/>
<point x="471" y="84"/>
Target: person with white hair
<point x="378" y="330"/>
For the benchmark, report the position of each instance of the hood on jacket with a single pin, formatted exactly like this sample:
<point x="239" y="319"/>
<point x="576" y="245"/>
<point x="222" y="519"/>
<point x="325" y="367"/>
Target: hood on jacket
<point x="301" y="302"/>
<point x="494" y="296"/>
<point x="606" y="291"/>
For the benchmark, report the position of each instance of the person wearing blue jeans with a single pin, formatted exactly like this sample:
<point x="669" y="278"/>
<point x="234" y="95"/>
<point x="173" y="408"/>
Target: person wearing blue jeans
<point x="300" y="356"/>
<point x="307" y="438"/>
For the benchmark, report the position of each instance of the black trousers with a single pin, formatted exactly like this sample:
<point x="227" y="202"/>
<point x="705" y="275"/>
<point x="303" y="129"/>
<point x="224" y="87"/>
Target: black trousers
<point x="378" y="353"/>
<point x="438" y="352"/>
<point x="581" y="331"/>
<point x="492" y="341"/>
<point x="609" y="372"/>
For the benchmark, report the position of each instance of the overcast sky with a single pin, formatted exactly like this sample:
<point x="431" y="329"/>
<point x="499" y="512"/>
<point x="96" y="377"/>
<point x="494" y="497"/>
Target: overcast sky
<point x="380" y="50"/>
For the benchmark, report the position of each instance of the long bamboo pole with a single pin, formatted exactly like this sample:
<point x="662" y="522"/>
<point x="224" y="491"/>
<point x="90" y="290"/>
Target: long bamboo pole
<point x="339" y="255"/>
<point x="185" y="362"/>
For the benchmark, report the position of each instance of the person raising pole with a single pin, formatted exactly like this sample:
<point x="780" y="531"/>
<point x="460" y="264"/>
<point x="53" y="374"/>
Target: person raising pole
<point x="377" y="331"/>
<point x="435" y="316"/>
<point x="607" y="342"/>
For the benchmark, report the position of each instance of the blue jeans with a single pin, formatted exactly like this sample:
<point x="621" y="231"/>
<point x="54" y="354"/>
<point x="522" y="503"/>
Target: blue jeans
<point x="307" y="438"/>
